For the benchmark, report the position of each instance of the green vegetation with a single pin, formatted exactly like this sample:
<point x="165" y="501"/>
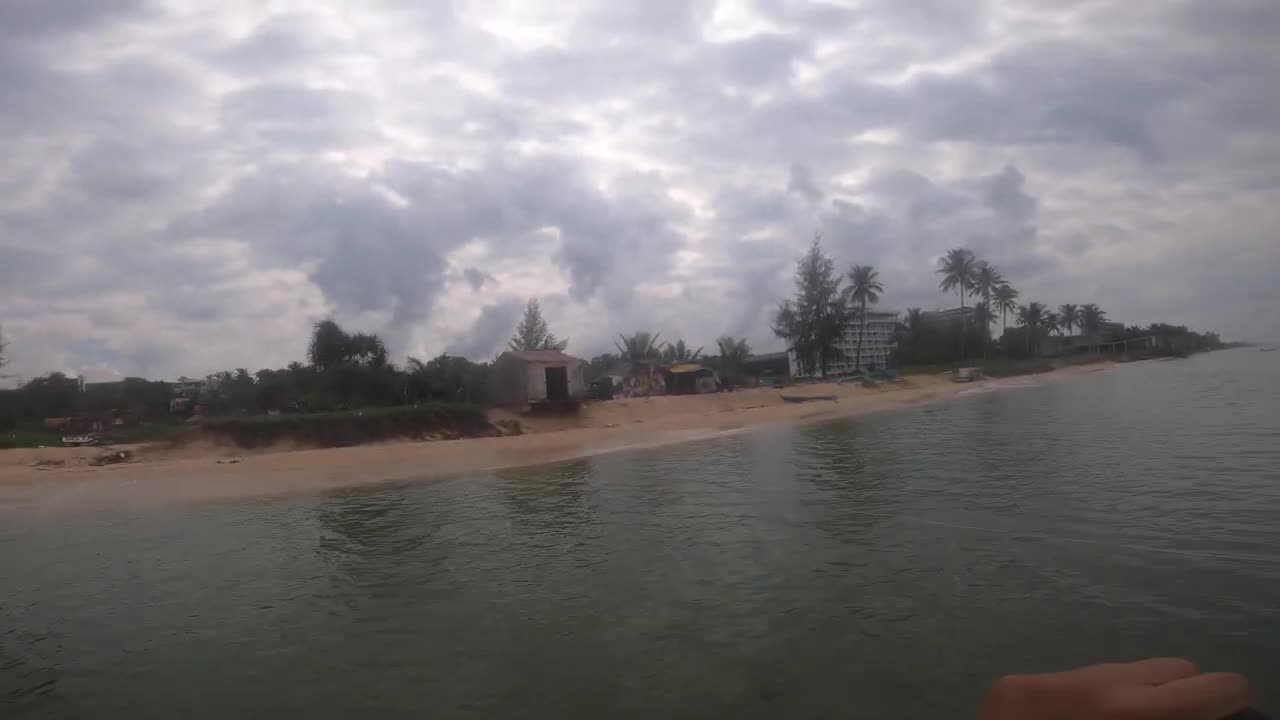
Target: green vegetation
<point x="679" y="352"/>
<point x="816" y="318"/>
<point x="864" y="288"/>
<point x="640" y="346"/>
<point x="337" y="429"/>
<point x="532" y="332"/>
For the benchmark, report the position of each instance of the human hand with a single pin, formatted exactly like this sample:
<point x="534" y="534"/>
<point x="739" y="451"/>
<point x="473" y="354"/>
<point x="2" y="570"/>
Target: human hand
<point x="1157" y="689"/>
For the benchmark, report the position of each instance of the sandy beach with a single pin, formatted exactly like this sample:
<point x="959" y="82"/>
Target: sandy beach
<point x="61" y="478"/>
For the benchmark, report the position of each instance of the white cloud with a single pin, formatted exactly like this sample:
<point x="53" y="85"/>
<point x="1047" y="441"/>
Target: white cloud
<point x="188" y="186"/>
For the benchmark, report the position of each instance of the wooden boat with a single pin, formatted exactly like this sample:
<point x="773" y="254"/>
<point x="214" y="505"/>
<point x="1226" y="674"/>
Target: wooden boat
<point x="807" y="398"/>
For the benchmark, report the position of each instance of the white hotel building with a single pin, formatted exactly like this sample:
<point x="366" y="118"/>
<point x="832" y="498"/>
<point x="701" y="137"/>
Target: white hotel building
<point x="878" y="343"/>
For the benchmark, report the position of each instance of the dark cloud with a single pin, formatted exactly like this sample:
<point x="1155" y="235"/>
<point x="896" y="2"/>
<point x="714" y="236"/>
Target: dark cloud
<point x="802" y="183"/>
<point x="1006" y="195"/>
<point x="491" y="331"/>
<point x="38" y="19"/>
<point x="477" y="278"/>
<point x="172" y="176"/>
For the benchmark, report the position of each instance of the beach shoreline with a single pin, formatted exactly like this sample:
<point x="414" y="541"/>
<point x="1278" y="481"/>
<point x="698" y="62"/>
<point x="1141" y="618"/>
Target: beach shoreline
<point x="60" y="479"/>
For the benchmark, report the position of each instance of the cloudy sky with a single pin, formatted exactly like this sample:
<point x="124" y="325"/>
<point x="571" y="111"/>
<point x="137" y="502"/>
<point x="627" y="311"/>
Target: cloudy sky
<point x="187" y="185"/>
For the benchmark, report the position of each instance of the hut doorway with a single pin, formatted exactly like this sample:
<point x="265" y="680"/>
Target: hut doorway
<point x="558" y="384"/>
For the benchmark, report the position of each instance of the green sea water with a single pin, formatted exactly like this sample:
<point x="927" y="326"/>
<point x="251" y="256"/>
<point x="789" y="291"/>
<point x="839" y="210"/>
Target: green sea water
<point x="890" y="566"/>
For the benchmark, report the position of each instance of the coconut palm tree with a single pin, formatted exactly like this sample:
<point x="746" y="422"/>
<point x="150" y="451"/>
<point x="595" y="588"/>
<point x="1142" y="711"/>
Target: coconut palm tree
<point x="640" y="346"/>
<point x="957" y="269"/>
<point x="1091" y="319"/>
<point x="1070" y="315"/>
<point x="1031" y="317"/>
<point x="1052" y="323"/>
<point x="983" y="316"/>
<point x="986" y="280"/>
<point x="679" y="353"/>
<point x="864" y="288"/>
<point x="733" y="353"/>
<point x="1006" y="297"/>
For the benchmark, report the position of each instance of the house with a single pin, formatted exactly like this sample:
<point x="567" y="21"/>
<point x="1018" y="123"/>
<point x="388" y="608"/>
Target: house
<point x="539" y="378"/>
<point x="690" y="379"/>
<point x="773" y="365"/>
<point x="1058" y="345"/>
<point x="879" y="339"/>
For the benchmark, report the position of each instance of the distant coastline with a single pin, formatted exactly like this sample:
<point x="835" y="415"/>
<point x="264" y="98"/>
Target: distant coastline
<point x="53" y="479"/>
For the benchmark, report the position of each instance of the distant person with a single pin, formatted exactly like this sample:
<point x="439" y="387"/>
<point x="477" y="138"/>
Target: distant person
<point x="1157" y="689"/>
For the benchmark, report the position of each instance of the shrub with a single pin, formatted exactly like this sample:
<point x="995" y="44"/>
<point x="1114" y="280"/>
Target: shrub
<point x="352" y="427"/>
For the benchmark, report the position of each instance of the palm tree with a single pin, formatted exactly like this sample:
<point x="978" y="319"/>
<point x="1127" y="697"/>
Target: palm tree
<point x="679" y="353"/>
<point x="1052" y="323"/>
<point x="957" y="269"/>
<point x="913" y="323"/>
<point x="638" y="347"/>
<point x="1091" y="318"/>
<point x="1031" y="317"/>
<point x="986" y="280"/>
<point x="1070" y="315"/>
<point x="983" y="316"/>
<point x="1006" y="302"/>
<point x="733" y="353"/>
<point x="864" y="288"/>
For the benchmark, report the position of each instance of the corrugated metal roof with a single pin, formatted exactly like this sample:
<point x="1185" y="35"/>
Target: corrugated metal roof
<point x="686" y="368"/>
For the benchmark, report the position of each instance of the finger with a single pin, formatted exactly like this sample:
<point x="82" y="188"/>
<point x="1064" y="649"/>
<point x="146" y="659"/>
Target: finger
<point x="1203" y="697"/>
<point x="1155" y="671"/>
<point x="1158" y="671"/>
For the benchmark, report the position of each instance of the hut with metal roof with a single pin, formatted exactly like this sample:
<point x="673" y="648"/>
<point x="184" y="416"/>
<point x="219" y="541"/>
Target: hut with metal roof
<point x="690" y="379"/>
<point x="529" y="379"/>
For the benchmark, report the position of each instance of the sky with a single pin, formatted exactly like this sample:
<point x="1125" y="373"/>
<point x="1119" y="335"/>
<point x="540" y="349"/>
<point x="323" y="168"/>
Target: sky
<point x="188" y="186"/>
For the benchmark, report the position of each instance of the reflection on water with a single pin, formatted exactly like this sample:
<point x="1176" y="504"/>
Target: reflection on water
<point x="781" y="574"/>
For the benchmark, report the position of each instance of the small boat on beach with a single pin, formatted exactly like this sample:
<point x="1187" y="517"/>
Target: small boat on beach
<point x="80" y="440"/>
<point x="808" y="398"/>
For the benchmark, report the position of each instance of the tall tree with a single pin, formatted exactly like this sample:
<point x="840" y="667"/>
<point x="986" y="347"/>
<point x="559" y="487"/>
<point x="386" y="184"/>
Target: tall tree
<point x="532" y="332"/>
<point x="1031" y="317"/>
<point x="640" y="346"/>
<point x="1091" y="319"/>
<point x="1006" y="302"/>
<point x="733" y="354"/>
<point x="983" y="316"/>
<point x="986" y="280"/>
<point x="958" y="268"/>
<point x="367" y="350"/>
<point x="679" y="352"/>
<point x="329" y="345"/>
<point x="1052" y="322"/>
<point x="864" y="289"/>
<point x="815" y="319"/>
<point x="1070" y="316"/>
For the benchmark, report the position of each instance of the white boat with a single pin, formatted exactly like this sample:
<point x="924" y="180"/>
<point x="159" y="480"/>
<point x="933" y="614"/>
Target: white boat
<point x="86" y="439"/>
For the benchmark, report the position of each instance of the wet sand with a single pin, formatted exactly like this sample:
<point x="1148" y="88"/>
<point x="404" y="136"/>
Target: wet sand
<point x="61" y="479"/>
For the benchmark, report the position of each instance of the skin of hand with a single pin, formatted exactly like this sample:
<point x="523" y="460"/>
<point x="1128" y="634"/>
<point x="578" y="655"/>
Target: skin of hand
<point x="1156" y="689"/>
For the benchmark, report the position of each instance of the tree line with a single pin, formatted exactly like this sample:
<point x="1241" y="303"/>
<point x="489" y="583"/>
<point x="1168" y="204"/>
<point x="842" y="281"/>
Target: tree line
<point x="816" y="318"/>
<point x="344" y="370"/>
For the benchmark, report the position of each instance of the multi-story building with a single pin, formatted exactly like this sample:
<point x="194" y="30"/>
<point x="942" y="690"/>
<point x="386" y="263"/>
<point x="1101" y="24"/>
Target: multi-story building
<point x="878" y="343"/>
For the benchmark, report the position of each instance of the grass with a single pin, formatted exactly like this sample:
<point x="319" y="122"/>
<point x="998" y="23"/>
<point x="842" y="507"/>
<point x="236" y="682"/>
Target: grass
<point x="30" y="436"/>
<point x="351" y="427"/>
